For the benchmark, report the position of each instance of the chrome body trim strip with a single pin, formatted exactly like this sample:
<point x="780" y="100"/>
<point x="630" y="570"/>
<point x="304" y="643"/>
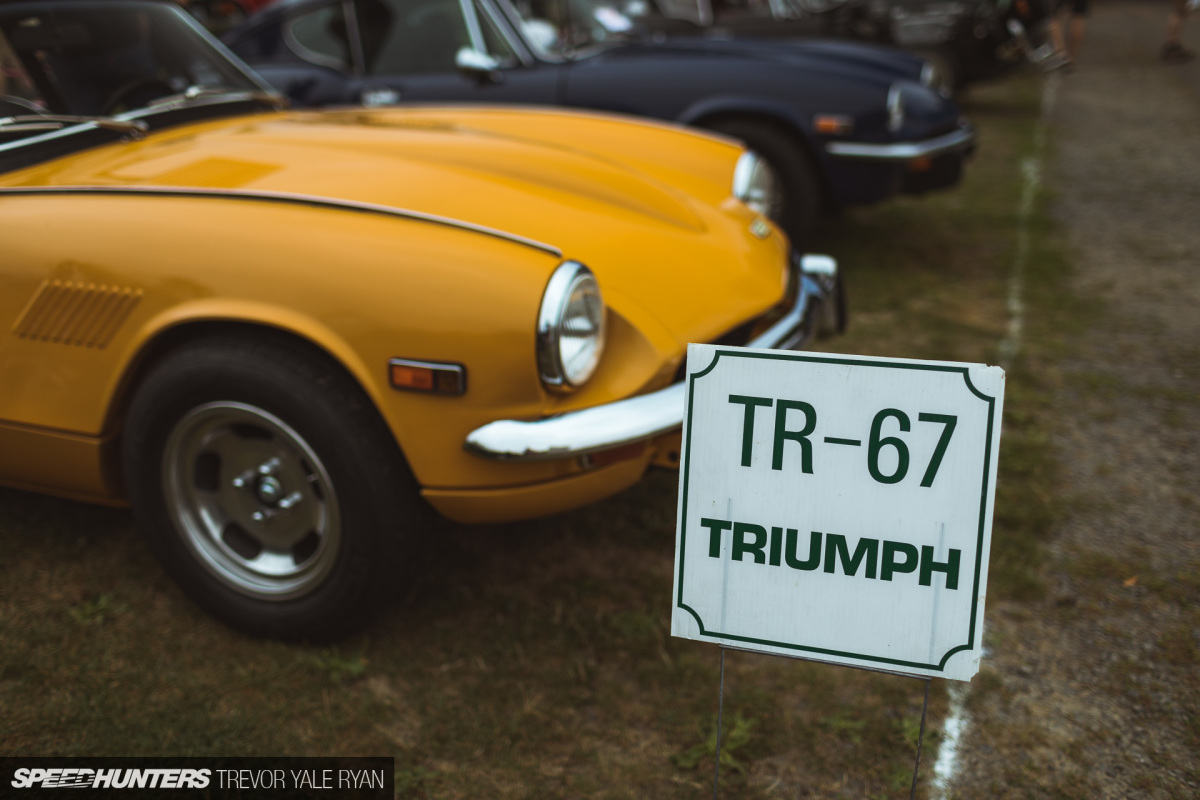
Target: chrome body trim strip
<point x="961" y="139"/>
<point x="285" y="197"/>
<point x="589" y="430"/>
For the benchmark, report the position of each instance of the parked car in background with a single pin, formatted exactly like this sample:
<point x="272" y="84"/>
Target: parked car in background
<point x="836" y="124"/>
<point x="965" y="40"/>
<point x="220" y="16"/>
<point x="286" y="337"/>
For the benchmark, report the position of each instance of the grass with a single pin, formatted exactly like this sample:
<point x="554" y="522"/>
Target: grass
<point x="941" y="294"/>
<point x="535" y="660"/>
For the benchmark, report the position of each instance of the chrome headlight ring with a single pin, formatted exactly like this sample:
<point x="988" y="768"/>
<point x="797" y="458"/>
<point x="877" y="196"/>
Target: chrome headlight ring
<point x="570" y="327"/>
<point x="756" y="184"/>
<point x="930" y="75"/>
<point x="895" y="108"/>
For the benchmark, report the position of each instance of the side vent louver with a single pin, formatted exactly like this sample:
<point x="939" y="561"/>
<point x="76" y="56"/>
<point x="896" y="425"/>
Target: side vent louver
<point x="76" y="313"/>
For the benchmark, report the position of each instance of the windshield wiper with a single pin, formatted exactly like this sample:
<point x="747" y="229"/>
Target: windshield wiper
<point x="203" y="92"/>
<point x="52" y="122"/>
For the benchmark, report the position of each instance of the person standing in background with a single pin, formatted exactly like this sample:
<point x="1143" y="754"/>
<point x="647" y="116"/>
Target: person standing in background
<point x="1066" y="46"/>
<point x="1173" y="51"/>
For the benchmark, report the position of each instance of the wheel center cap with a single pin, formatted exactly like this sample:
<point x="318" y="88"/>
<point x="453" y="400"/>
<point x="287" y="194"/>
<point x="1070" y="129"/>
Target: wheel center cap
<point x="269" y="490"/>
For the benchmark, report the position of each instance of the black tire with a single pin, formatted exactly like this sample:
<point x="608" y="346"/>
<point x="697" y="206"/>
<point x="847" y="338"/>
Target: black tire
<point x="802" y="198"/>
<point x="268" y="487"/>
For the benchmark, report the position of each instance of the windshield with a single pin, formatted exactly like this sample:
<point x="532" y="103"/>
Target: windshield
<point x="93" y="59"/>
<point x="564" y="28"/>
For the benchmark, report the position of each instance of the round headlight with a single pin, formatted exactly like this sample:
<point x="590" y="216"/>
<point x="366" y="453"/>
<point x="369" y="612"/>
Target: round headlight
<point x="757" y="185"/>
<point x="570" y="328"/>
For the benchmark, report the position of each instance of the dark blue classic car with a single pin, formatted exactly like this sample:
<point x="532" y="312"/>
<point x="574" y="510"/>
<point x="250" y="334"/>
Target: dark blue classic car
<point x="834" y="123"/>
<point x="966" y="40"/>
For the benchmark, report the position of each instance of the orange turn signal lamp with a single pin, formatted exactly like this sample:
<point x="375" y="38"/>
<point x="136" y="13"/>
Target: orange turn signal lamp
<point x="921" y="164"/>
<point x="833" y="124"/>
<point x="431" y="377"/>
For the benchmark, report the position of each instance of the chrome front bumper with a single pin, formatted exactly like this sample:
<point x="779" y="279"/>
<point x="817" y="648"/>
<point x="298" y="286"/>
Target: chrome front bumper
<point x="589" y="430"/>
<point x="960" y="140"/>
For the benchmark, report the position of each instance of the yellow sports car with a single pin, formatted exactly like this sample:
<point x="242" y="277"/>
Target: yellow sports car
<point x="282" y="337"/>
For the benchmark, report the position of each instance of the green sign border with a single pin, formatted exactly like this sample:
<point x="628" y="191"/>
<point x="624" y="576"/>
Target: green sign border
<point x="983" y="497"/>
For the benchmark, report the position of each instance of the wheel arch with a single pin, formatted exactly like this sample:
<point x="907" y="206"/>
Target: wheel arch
<point x="168" y="338"/>
<point x="782" y="120"/>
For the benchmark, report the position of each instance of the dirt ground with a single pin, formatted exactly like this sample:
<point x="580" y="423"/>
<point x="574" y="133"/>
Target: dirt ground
<point x="1094" y="690"/>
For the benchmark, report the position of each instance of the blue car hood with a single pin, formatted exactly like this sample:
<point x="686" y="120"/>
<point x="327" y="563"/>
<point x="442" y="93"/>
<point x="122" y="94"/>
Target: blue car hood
<point x="874" y="63"/>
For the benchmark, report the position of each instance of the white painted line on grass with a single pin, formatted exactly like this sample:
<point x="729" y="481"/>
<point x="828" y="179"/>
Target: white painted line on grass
<point x="954" y="726"/>
<point x="1031" y="181"/>
<point x="1031" y="177"/>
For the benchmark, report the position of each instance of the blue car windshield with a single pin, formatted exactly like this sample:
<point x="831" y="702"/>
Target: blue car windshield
<point x="565" y="28"/>
<point x="101" y="59"/>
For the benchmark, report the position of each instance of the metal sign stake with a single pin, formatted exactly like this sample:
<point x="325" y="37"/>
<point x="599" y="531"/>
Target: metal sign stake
<point x="720" y="712"/>
<point x="920" y="740"/>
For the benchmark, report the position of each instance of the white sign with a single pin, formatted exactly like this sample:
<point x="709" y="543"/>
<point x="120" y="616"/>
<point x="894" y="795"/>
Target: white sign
<point x="837" y="508"/>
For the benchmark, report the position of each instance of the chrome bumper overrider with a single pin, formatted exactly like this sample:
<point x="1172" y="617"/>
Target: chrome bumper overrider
<point x="643" y="417"/>
<point x="961" y="139"/>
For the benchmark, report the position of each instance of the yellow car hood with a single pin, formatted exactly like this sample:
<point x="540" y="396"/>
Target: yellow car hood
<point x="620" y="195"/>
<point x="470" y="164"/>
